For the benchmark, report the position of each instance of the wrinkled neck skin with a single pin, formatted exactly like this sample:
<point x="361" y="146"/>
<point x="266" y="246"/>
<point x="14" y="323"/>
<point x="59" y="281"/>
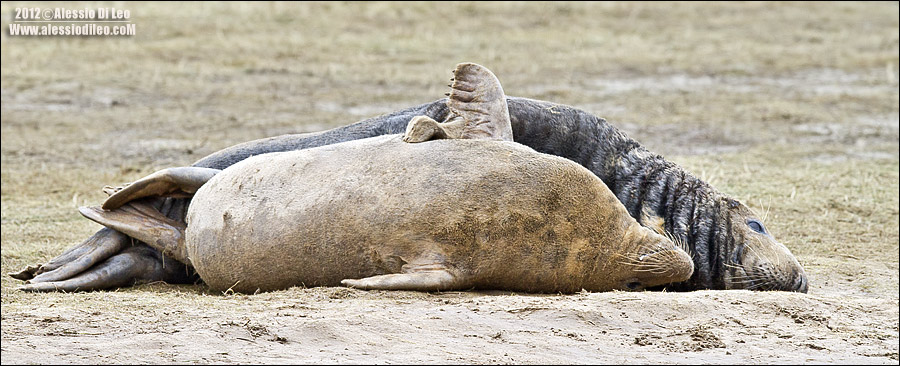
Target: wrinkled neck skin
<point x="691" y="210"/>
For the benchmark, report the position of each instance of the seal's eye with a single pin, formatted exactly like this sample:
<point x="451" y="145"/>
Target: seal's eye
<point x="633" y="285"/>
<point x="756" y="226"/>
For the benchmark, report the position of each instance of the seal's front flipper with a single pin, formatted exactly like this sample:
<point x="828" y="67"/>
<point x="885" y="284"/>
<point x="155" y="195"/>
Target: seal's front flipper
<point x="143" y="222"/>
<point x="423" y="128"/>
<point x="433" y="277"/>
<point x="184" y="180"/>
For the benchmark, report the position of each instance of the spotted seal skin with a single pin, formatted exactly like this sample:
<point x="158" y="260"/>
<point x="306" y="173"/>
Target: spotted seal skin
<point x="730" y="245"/>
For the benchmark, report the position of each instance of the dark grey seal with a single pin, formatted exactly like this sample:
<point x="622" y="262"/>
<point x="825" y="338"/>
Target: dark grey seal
<point x="731" y="247"/>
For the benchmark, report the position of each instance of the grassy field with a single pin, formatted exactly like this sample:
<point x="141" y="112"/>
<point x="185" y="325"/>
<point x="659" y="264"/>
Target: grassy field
<point x="790" y="107"/>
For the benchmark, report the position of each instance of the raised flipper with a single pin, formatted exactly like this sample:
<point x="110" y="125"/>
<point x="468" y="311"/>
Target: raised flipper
<point x="166" y="182"/>
<point x="432" y="277"/>
<point x="133" y="265"/>
<point x="478" y="110"/>
<point x="477" y="97"/>
<point x="143" y="222"/>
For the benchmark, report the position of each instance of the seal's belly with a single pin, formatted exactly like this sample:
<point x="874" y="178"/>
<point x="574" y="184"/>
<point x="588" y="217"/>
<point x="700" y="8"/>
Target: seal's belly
<point x="367" y="207"/>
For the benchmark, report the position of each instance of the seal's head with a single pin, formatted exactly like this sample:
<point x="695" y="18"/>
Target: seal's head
<point x="655" y="260"/>
<point x="755" y="260"/>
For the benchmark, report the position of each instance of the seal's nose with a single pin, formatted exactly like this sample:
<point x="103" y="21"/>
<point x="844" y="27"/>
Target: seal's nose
<point x="800" y="283"/>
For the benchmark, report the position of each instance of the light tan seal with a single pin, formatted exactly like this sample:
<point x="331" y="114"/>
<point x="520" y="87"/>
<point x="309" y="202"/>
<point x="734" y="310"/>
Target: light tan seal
<point x="469" y="210"/>
<point x="379" y="213"/>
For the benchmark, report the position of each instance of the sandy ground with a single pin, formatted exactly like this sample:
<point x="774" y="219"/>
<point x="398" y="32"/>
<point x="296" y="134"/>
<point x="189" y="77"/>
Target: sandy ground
<point x="337" y="325"/>
<point x="791" y="108"/>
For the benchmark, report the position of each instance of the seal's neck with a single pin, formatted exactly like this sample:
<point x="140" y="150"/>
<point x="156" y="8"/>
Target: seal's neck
<point x="691" y="210"/>
<point x="699" y="219"/>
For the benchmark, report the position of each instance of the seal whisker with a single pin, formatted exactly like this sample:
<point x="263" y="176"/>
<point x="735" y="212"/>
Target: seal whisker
<point x="755" y="286"/>
<point x="762" y="286"/>
<point x="778" y="254"/>
<point x="756" y="253"/>
<point x="772" y="279"/>
<point x="681" y="244"/>
<point x="764" y="257"/>
<point x="743" y="281"/>
<point x="635" y="263"/>
<point x="742" y="284"/>
<point x="654" y="266"/>
<point x="657" y="270"/>
<point x="752" y="276"/>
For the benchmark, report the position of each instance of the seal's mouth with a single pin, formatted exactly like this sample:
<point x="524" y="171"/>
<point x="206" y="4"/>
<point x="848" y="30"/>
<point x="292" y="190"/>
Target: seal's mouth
<point x="766" y="281"/>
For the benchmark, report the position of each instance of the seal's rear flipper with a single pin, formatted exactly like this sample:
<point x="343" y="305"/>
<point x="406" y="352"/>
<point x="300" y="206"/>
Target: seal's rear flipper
<point x="171" y="181"/>
<point x="133" y="265"/>
<point x="478" y="110"/>
<point x="99" y="247"/>
<point x="422" y="278"/>
<point x="143" y="222"/>
<point x="477" y="97"/>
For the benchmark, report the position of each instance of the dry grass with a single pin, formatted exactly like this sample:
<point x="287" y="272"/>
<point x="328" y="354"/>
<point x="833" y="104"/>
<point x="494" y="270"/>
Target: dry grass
<point x="790" y="107"/>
